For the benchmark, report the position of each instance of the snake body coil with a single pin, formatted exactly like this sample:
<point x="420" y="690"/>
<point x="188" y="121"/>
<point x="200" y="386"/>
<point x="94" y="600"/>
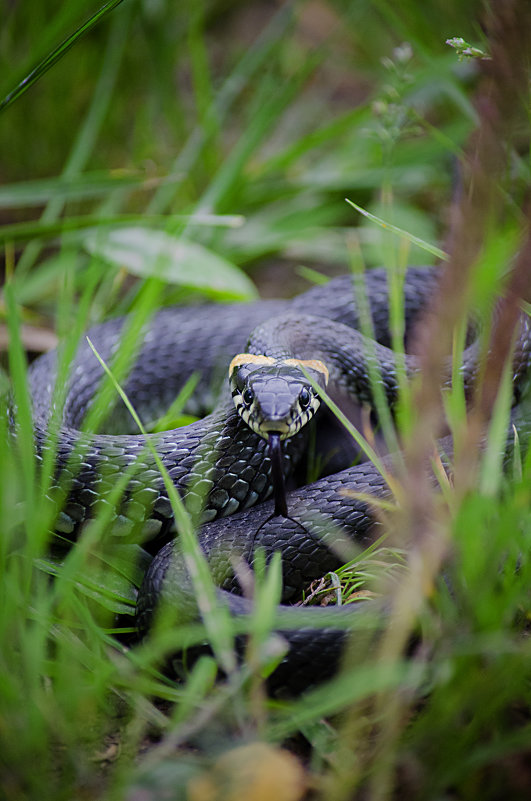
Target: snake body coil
<point x="220" y="466"/>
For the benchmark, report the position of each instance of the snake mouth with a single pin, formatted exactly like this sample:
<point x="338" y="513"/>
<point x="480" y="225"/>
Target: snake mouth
<point x="275" y="428"/>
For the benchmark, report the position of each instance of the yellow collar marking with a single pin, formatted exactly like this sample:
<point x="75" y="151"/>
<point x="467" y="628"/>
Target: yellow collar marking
<point x="312" y="364"/>
<point x="249" y="358"/>
<point x="253" y="358"/>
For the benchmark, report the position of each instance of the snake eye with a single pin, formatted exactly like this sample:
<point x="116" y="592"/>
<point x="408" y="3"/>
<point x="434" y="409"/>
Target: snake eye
<point x="304" y="398"/>
<point x="248" y="396"/>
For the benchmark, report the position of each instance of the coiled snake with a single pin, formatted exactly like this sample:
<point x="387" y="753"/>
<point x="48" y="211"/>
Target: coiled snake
<point x="220" y="465"/>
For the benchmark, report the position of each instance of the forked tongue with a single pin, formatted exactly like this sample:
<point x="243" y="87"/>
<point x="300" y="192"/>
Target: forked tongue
<point x="277" y="475"/>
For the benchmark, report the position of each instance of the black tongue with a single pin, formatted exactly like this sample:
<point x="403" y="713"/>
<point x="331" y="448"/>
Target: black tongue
<point x="277" y="475"/>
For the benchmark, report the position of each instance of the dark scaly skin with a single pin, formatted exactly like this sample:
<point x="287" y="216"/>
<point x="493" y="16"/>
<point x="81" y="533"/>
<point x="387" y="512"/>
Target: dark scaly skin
<point x="179" y="342"/>
<point x="323" y="517"/>
<point x="310" y="543"/>
<point x="218" y="463"/>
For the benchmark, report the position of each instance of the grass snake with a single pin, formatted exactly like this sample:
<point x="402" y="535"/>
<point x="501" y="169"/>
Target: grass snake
<point x="219" y="464"/>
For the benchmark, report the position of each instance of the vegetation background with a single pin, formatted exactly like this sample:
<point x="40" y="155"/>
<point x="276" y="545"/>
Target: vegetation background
<point x="238" y="130"/>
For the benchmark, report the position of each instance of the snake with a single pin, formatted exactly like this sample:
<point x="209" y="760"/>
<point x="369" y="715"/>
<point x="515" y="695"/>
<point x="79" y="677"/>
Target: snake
<point x="232" y="466"/>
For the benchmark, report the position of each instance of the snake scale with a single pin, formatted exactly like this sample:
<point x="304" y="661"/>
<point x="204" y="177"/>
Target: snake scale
<point x="221" y="467"/>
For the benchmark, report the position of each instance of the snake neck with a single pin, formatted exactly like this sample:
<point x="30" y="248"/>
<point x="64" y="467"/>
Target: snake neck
<point x="346" y="354"/>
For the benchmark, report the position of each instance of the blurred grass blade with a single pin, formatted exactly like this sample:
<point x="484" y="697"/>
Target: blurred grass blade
<point x="252" y="61"/>
<point x="22" y="231"/>
<point x="27" y="194"/>
<point x="56" y="55"/>
<point x="491" y="474"/>
<point x="23" y="415"/>
<point x="349" y="687"/>
<point x="88" y="130"/>
<point x="268" y="105"/>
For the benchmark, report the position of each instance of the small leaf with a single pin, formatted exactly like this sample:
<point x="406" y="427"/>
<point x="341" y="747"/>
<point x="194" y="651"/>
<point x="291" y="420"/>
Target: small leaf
<point x="148" y="253"/>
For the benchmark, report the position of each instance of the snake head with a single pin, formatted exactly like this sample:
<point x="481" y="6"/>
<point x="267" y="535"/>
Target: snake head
<point x="274" y="396"/>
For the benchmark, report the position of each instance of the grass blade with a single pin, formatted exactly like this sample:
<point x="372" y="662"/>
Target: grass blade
<point x="61" y="50"/>
<point x="415" y="240"/>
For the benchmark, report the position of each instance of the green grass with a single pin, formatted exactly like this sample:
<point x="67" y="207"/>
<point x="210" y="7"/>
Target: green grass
<point x="234" y="156"/>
